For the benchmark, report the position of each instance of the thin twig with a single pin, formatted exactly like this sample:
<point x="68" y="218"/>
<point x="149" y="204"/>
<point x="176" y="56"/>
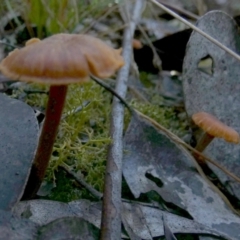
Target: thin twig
<point x="8" y="44"/>
<point x="137" y="94"/>
<point x="156" y="59"/>
<point x="228" y="50"/>
<point x="13" y="13"/>
<point x="29" y="92"/>
<point x="114" y="93"/>
<point x="180" y="10"/>
<point x="112" y="204"/>
<point x="99" y="18"/>
<point x="76" y="110"/>
<point x="98" y="194"/>
<point x="82" y="182"/>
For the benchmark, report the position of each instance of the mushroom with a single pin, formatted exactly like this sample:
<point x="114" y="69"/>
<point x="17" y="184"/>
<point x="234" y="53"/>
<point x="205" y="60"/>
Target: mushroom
<point x="136" y="44"/>
<point x="212" y="128"/>
<point x="58" y="61"/>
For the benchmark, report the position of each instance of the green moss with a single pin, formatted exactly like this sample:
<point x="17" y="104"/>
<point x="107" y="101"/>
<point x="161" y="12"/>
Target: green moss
<point x="67" y="189"/>
<point x="83" y="135"/>
<point x="64" y="190"/>
<point x="166" y="116"/>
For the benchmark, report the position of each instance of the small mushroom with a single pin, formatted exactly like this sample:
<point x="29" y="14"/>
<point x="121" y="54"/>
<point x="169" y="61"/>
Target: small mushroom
<point x="58" y="61"/>
<point x="136" y="44"/>
<point x="212" y="128"/>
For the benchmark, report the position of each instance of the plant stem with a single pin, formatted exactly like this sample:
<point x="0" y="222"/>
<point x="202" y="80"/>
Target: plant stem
<point x="57" y="95"/>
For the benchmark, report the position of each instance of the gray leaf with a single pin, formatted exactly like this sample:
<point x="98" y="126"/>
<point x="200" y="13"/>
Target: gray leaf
<point x="150" y="152"/>
<point x="217" y="91"/>
<point x="141" y="222"/>
<point x="73" y="228"/>
<point x="46" y="211"/>
<point x="12" y="228"/>
<point x="18" y="141"/>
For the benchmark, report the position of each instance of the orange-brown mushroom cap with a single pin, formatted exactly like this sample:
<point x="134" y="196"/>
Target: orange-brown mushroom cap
<point x="214" y="127"/>
<point x="62" y="59"/>
<point x="136" y="44"/>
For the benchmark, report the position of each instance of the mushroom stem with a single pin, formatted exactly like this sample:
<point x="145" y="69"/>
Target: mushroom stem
<point x="204" y="141"/>
<point x="57" y="95"/>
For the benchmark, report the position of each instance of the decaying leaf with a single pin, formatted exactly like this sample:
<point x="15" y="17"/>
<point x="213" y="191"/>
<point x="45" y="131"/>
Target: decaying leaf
<point x="13" y="228"/>
<point x="140" y="221"/>
<point x="46" y="211"/>
<point x="147" y="222"/>
<point x="69" y="228"/>
<point x="18" y="141"/>
<point x="215" y="88"/>
<point x="151" y="155"/>
<point x="73" y="227"/>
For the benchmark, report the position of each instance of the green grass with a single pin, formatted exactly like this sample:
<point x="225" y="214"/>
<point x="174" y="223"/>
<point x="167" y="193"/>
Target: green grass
<point x="55" y="16"/>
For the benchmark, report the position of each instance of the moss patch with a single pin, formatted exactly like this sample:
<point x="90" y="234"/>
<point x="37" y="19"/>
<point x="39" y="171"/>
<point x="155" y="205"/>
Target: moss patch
<point x="83" y="135"/>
